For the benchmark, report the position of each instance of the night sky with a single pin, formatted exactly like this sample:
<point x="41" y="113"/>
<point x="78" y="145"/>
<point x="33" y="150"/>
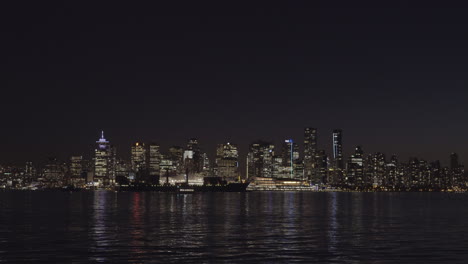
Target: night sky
<point x="393" y="76"/>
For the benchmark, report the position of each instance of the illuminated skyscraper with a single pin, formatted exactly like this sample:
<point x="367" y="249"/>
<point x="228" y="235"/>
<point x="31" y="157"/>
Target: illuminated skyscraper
<point x="310" y="148"/>
<point x="176" y="155"/>
<point x="76" y="166"/>
<point x="338" y="149"/>
<point x="138" y="157"/>
<point x="392" y="179"/>
<point x="260" y="159"/>
<point x="321" y="169"/>
<point x="153" y="161"/>
<point x="197" y="162"/>
<point x="456" y="170"/>
<point x="104" y="158"/>
<point x="30" y="171"/>
<point x="227" y="161"/>
<point x="355" y="169"/>
<point x="53" y="170"/>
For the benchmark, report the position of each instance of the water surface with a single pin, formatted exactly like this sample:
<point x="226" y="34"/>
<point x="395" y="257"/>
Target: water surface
<point x="255" y="227"/>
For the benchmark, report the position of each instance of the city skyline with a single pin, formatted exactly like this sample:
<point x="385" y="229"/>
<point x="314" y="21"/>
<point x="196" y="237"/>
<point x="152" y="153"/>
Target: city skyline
<point x="292" y="162"/>
<point x="328" y="145"/>
<point x="223" y="131"/>
<point x="304" y="150"/>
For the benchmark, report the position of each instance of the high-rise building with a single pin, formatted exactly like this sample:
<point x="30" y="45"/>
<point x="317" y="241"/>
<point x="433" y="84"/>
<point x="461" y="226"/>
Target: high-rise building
<point x="310" y="149"/>
<point x="454" y="161"/>
<point x="104" y="162"/>
<point x="153" y="161"/>
<point x="290" y="156"/>
<point x="54" y="170"/>
<point x="392" y="180"/>
<point x="321" y="169"/>
<point x="197" y="157"/>
<point x="227" y="162"/>
<point x="138" y="156"/>
<point x="414" y="173"/>
<point x="355" y="169"/>
<point x="138" y="160"/>
<point x="30" y="171"/>
<point x="168" y="170"/>
<point x="378" y="163"/>
<point x="260" y="159"/>
<point x="338" y="149"/>
<point x="456" y="170"/>
<point x="76" y="166"/>
<point x="176" y="155"/>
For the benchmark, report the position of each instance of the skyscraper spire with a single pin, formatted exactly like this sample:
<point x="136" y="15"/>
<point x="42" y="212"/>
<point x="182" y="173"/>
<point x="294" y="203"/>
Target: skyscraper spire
<point x="102" y="134"/>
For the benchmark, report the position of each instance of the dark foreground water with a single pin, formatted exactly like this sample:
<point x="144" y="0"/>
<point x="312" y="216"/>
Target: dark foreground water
<point x="57" y="227"/>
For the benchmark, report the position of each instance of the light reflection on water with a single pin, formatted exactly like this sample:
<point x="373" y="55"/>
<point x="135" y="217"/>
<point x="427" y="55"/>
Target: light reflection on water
<point x="233" y="227"/>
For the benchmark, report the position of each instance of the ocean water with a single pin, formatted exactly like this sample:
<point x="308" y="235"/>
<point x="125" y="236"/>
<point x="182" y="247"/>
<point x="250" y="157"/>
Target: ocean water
<point x="253" y="227"/>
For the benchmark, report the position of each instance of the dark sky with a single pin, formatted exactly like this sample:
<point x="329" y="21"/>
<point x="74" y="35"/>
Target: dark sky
<point x="392" y="75"/>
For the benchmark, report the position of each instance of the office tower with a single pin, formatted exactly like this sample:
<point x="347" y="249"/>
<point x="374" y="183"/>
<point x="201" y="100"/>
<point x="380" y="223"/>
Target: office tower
<point x="436" y="182"/>
<point x="454" y="161"/>
<point x="197" y="159"/>
<point x="445" y="176"/>
<point x="321" y="169"/>
<point x="414" y="173"/>
<point x="153" y="160"/>
<point x="376" y="169"/>
<point x="176" y="155"/>
<point x="338" y="149"/>
<point x="379" y="163"/>
<point x="206" y="165"/>
<point x="167" y="169"/>
<point x="355" y="169"/>
<point x="123" y="168"/>
<point x="104" y="162"/>
<point x="457" y="171"/>
<point x="76" y="166"/>
<point x="290" y="156"/>
<point x="139" y="162"/>
<point x="392" y="180"/>
<point x="277" y="168"/>
<point x="227" y="161"/>
<point x="310" y="148"/>
<point x="336" y="172"/>
<point x="138" y="157"/>
<point x="53" y="170"/>
<point x="29" y="170"/>
<point x="260" y="159"/>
